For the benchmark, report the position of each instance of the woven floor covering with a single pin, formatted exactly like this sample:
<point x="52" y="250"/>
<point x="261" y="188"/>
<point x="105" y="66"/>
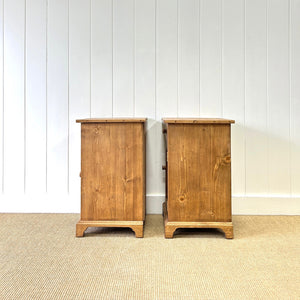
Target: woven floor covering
<point x="40" y="258"/>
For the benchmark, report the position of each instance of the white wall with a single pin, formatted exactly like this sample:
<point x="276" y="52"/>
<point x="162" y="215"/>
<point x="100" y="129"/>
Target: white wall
<point x="68" y="59"/>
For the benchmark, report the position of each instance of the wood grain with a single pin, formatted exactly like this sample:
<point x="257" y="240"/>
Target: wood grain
<point x="112" y="120"/>
<point x="198" y="120"/>
<point x="112" y="171"/>
<point x="199" y="174"/>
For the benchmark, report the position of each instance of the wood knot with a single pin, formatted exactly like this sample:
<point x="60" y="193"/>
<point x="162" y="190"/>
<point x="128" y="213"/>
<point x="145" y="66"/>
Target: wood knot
<point x="227" y="159"/>
<point x="127" y="179"/>
<point x="222" y="161"/>
<point x="211" y="213"/>
<point x="182" y="198"/>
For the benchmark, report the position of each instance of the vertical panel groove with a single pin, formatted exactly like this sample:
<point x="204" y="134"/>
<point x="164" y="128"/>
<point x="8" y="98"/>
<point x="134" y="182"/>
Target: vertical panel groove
<point x="68" y="167"/>
<point x="123" y="58"/>
<point x="34" y="96"/>
<point x="245" y="136"/>
<point x="57" y="97"/>
<point x="188" y="55"/>
<point x="256" y="97"/>
<point x="200" y="11"/>
<point x="278" y="86"/>
<point x="46" y="96"/>
<point x="290" y="95"/>
<point x="101" y="60"/>
<point x="2" y="171"/>
<point x="155" y="58"/>
<point x="112" y="58"/>
<point x="25" y="83"/>
<point x="134" y="56"/>
<point x="90" y="58"/>
<point x="222" y="57"/>
<point x="295" y="96"/>
<point x="267" y="94"/>
<point x="177" y="57"/>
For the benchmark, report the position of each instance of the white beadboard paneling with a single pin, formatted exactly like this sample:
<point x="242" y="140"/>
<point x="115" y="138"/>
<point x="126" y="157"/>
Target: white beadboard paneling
<point x="144" y="43"/>
<point x="188" y="58"/>
<point x="166" y="75"/>
<point x="1" y="93"/>
<point x="35" y="172"/>
<point x="166" y="59"/>
<point x="79" y="83"/>
<point x="144" y="92"/>
<point x="256" y="158"/>
<point x="233" y="86"/>
<point x="14" y="99"/>
<point x="295" y="95"/>
<point x="236" y="59"/>
<point x="211" y="58"/>
<point x="278" y="96"/>
<point x="123" y="58"/>
<point x="101" y="58"/>
<point x="57" y="96"/>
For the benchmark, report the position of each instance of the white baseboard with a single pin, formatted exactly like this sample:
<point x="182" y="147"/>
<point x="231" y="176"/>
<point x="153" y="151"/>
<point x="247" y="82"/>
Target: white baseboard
<point x="265" y="205"/>
<point x="39" y="203"/>
<point x="244" y="205"/>
<point x="154" y="204"/>
<point x="241" y="205"/>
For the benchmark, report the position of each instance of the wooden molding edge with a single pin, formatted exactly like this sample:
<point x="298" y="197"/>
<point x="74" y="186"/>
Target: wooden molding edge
<point x="136" y="226"/>
<point x="170" y="227"/>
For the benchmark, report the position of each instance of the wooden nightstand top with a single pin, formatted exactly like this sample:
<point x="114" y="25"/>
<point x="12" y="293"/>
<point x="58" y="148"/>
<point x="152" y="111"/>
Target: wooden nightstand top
<point x="112" y="120"/>
<point x="198" y="120"/>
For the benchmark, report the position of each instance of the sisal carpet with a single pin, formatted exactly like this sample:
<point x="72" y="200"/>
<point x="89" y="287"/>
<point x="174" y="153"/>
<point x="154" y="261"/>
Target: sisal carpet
<point x="40" y="258"/>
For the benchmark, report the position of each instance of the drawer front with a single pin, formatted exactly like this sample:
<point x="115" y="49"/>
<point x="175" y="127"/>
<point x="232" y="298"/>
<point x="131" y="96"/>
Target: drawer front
<point x="199" y="172"/>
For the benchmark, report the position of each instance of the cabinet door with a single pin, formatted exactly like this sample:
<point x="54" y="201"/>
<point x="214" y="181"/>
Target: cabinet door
<point x="112" y="171"/>
<point x="199" y="176"/>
